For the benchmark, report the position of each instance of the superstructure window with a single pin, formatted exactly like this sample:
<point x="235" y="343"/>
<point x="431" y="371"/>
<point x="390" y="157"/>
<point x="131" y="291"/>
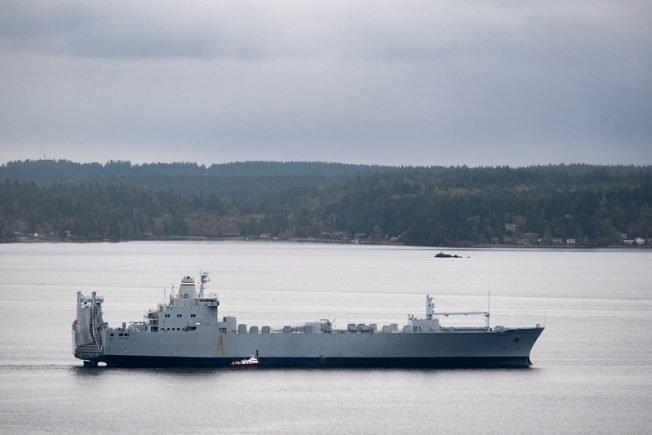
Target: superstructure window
<point x="167" y="315"/>
<point x="193" y="315"/>
<point x="179" y="315"/>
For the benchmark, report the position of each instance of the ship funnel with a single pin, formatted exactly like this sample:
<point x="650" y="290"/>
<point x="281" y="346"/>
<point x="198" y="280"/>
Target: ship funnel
<point x="187" y="289"/>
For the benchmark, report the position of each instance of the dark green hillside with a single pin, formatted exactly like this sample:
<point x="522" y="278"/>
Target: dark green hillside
<point x="240" y="181"/>
<point x="458" y="206"/>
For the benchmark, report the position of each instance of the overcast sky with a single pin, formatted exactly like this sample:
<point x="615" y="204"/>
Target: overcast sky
<point x="384" y="82"/>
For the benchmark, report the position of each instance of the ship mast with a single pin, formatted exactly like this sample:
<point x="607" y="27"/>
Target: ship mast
<point x="203" y="279"/>
<point x="430" y="306"/>
<point x="488" y="308"/>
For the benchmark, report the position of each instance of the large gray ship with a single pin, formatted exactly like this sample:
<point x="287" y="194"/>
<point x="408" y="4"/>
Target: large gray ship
<point x="187" y="331"/>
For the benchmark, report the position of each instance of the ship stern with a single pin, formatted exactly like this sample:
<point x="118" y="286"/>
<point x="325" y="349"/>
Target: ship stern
<point x="87" y="329"/>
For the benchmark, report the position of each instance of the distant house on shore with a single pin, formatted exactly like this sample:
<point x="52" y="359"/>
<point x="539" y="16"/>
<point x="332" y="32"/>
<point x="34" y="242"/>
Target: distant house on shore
<point x="511" y="228"/>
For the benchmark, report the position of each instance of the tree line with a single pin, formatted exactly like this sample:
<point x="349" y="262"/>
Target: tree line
<point x="429" y="206"/>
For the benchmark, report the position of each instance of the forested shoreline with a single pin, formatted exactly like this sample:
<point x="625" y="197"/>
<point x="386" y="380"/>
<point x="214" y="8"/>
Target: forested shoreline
<point x="570" y="205"/>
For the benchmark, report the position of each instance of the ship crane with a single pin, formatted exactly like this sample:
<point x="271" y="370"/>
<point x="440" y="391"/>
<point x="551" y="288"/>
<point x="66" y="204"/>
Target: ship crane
<point x="430" y="311"/>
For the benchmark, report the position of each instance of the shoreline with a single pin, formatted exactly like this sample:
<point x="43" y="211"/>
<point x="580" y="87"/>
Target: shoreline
<point x="31" y="240"/>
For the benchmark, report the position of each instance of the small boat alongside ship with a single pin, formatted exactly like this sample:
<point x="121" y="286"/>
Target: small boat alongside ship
<point x="250" y="363"/>
<point x="187" y="331"/>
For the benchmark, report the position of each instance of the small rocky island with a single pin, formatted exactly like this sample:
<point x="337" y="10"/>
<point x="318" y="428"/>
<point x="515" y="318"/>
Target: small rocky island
<point x="441" y="254"/>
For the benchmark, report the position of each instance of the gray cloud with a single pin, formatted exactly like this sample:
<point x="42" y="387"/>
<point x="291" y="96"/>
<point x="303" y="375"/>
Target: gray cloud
<point x="379" y="82"/>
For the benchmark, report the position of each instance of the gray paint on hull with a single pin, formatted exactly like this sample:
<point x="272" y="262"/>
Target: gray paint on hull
<point x="207" y="346"/>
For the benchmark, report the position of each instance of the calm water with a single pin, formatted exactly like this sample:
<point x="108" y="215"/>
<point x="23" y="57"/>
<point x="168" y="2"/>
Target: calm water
<point x="592" y="368"/>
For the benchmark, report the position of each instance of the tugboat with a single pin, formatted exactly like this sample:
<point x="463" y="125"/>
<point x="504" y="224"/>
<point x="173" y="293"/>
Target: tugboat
<point x="249" y="363"/>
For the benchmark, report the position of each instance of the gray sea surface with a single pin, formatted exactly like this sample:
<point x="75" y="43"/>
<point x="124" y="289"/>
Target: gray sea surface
<point x="592" y="369"/>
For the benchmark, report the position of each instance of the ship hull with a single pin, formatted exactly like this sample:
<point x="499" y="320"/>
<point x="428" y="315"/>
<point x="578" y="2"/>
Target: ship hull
<point x="208" y="348"/>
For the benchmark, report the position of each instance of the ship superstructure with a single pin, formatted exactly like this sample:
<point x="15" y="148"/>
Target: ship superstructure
<point x="187" y="331"/>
